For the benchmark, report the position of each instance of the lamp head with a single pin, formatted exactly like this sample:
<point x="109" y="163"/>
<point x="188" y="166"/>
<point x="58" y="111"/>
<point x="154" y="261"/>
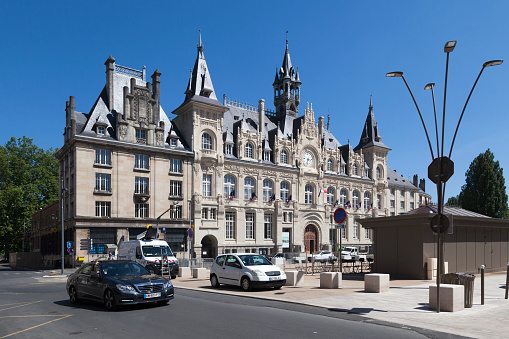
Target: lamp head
<point x="449" y="46"/>
<point x="429" y="86"/>
<point x="394" y="74"/>
<point x="492" y="63"/>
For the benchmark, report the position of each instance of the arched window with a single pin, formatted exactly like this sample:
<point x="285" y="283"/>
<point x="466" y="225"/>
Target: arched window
<point x="284" y="157"/>
<point x="267" y="190"/>
<point x="330" y="167"/>
<point x="342" y="197"/>
<point x="378" y="173"/>
<point x="229" y="186"/>
<point x="355" y="199"/>
<point x="249" y="188"/>
<point x="284" y="191"/>
<point x="206" y="141"/>
<point x="308" y="194"/>
<point x="249" y="151"/>
<point x="367" y="200"/>
<point x="354" y="170"/>
<point x="330" y="196"/>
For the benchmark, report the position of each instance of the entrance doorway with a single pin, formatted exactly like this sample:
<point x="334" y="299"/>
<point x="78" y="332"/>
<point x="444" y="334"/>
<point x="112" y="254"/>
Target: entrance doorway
<point x="310" y="238"/>
<point x="209" y="247"/>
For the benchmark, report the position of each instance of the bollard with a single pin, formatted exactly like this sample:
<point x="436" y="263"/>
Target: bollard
<point x="482" y="283"/>
<point x="507" y="280"/>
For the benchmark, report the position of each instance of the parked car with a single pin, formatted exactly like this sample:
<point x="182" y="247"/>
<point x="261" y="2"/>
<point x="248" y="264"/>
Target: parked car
<point x="322" y="256"/>
<point x="247" y="270"/>
<point x="276" y="255"/>
<point x="116" y="283"/>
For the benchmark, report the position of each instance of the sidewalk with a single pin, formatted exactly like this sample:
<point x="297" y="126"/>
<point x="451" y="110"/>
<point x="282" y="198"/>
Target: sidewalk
<point x="406" y="303"/>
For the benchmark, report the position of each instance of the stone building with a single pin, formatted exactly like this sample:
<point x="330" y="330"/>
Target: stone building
<point x="248" y="178"/>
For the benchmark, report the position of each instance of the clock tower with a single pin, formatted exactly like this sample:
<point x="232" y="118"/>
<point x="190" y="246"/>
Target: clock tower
<point x="287" y="88"/>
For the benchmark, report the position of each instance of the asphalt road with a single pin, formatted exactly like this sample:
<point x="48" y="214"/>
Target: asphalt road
<point x="32" y="306"/>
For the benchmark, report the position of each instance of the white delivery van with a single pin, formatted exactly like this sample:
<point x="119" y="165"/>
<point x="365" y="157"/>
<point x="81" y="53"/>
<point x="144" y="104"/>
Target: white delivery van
<point x="152" y="254"/>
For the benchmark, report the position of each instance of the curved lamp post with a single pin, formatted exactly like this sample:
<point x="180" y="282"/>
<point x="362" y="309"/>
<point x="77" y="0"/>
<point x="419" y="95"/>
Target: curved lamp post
<point x="441" y="168"/>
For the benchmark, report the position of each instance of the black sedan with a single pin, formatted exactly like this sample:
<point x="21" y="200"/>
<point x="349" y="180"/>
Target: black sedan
<point x="118" y="282"/>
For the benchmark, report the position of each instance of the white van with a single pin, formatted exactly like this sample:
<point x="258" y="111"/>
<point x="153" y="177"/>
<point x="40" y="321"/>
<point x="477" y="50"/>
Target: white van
<point x="150" y="254"/>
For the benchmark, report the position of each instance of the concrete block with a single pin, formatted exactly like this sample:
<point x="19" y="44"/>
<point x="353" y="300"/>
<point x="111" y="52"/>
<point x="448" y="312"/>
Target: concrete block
<point x="451" y="297"/>
<point x="185" y="272"/>
<point x="331" y="280"/>
<point x="294" y="278"/>
<point x="432" y="268"/>
<point x="376" y="282"/>
<point x="200" y="273"/>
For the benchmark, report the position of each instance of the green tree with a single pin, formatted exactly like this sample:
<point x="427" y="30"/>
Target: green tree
<point x="484" y="190"/>
<point x="28" y="181"/>
<point x="453" y="201"/>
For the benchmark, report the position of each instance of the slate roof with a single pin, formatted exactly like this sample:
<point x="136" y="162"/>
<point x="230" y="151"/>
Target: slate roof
<point x="456" y="211"/>
<point x="395" y="179"/>
<point x="370" y="134"/>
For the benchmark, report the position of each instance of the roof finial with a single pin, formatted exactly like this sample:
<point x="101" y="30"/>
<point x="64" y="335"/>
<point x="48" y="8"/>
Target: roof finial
<point x="286" y="39"/>
<point x="199" y="33"/>
<point x="371" y="100"/>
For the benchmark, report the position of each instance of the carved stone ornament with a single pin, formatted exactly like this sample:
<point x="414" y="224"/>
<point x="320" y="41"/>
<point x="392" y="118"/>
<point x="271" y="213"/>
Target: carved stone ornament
<point x="122" y="131"/>
<point x="159" y="138"/>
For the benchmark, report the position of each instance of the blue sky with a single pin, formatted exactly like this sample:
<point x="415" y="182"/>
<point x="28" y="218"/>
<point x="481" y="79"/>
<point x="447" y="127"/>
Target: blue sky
<point x="343" y="49"/>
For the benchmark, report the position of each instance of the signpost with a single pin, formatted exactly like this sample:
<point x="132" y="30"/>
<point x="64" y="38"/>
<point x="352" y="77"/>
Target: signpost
<point x="339" y="217"/>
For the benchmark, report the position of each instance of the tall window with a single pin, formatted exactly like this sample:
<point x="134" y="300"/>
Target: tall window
<point x="267" y="189"/>
<point x="284" y="191"/>
<point x="102" y="157"/>
<point x="249" y="225"/>
<point x="355" y="198"/>
<point x="330" y="196"/>
<point x="228" y="149"/>
<point x="175" y="188"/>
<point x="141" y="210"/>
<point x="266" y="155"/>
<point x="249" y="188"/>
<point x="342" y="197"/>
<point x="206" y="141"/>
<point x="230" y="225"/>
<point x="284" y="157"/>
<point x="378" y="173"/>
<point x="367" y="200"/>
<point x="141" y="136"/>
<point x="355" y="229"/>
<point x="366" y="173"/>
<point x="343" y="232"/>
<point x="141" y="161"/>
<point x="379" y="201"/>
<point x="267" y="226"/>
<point x="103" y="209"/>
<point x="343" y="169"/>
<point x="367" y="233"/>
<point x="207" y="185"/>
<point x="354" y="170"/>
<point x="329" y="165"/>
<point x="176" y="212"/>
<point x="402" y="193"/>
<point x="140" y="185"/>
<point x="308" y="194"/>
<point x="103" y="182"/>
<point x="175" y="166"/>
<point x="402" y="203"/>
<point x="229" y="186"/>
<point x="249" y="151"/>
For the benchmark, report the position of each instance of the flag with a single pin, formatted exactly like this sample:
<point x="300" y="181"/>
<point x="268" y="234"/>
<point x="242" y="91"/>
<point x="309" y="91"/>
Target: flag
<point x="272" y="198"/>
<point x="232" y="194"/>
<point x="335" y="204"/>
<point x="253" y="196"/>
<point x="348" y="204"/>
<point x="370" y="207"/>
<point x="358" y="206"/>
<point x="289" y="199"/>
<point x="322" y="191"/>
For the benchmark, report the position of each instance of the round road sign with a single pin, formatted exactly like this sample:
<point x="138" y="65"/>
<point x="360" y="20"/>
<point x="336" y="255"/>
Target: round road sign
<point x="190" y="233"/>
<point x="437" y="222"/>
<point x="339" y="215"/>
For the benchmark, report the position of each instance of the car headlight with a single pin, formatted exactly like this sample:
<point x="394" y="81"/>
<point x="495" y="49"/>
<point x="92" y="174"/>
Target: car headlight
<point x="125" y="288"/>
<point x="168" y="284"/>
<point x="258" y="273"/>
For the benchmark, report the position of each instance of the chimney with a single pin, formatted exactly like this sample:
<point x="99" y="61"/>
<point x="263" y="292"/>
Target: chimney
<point x="110" y="68"/>
<point x="321" y="124"/>
<point x="416" y="180"/>
<point x="156" y="87"/>
<point x="261" y="116"/>
<point x="422" y="185"/>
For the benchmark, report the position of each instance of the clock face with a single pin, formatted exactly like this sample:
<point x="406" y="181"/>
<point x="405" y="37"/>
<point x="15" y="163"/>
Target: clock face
<point x="307" y="159"/>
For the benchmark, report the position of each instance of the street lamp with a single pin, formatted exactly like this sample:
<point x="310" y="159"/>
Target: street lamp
<point x="190" y="238"/>
<point x="62" y="191"/>
<point x="441" y="168"/>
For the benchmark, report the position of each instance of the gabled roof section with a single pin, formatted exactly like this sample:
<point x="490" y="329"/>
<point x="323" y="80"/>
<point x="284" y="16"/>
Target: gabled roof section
<point x="330" y="141"/>
<point x="395" y="179"/>
<point x="370" y="134"/>
<point x="456" y="211"/>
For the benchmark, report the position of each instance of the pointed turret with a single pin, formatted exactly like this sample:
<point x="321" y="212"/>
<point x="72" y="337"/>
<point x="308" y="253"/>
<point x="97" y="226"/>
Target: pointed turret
<point x="200" y="82"/>
<point x="286" y="88"/>
<point x="370" y="133"/>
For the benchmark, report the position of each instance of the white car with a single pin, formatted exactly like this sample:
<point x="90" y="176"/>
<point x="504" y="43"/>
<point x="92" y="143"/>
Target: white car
<point x="247" y="270"/>
<point x="322" y="256"/>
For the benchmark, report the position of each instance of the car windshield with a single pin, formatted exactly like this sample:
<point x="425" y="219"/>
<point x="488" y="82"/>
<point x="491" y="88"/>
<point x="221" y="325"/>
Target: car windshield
<point x="253" y="260"/>
<point x="156" y="251"/>
<point x="123" y="269"/>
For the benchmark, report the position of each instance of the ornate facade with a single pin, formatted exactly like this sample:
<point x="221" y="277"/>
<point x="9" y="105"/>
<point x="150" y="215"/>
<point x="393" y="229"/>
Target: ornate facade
<point x="246" y="177"/>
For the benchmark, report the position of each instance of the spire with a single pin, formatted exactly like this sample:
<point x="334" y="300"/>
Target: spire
<point x="286" y="88"/>
<point x="200" y="82"/>
<point x="287" y="68"/>
<point x="370" y="134"/>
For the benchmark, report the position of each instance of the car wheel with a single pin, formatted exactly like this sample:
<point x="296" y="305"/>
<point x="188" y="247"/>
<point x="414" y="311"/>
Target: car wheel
<point x="278" y="287"/>
<point x="173" y="276"/>
<point x="163" y="302"/>
<point x="213" y="281"/>
<point x="109" y="300"/>
<point x="73" y="295"/>
<point x="246" y="284"/>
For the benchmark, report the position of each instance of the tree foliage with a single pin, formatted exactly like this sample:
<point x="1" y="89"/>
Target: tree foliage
<point x="453" y="201"/>
<point x="28" y="181"/>
<point x="484" y="190"/>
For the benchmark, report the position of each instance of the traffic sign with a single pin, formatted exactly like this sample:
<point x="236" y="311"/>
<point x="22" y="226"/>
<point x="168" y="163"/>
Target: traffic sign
<point x="339" y="215"/>
<point x="437" y="223"/>
<point x="69" y="250"/>
<point x="70" y="244"/>
<point x="437" y="174"/>
<point x="190" y="233"/>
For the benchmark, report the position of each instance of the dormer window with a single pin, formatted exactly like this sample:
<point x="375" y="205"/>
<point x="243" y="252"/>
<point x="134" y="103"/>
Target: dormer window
<point x="173" y="142"/>
<point x="228" y="149"/>
<point x="101" y="130"/>
<point x="266" y="155"/>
